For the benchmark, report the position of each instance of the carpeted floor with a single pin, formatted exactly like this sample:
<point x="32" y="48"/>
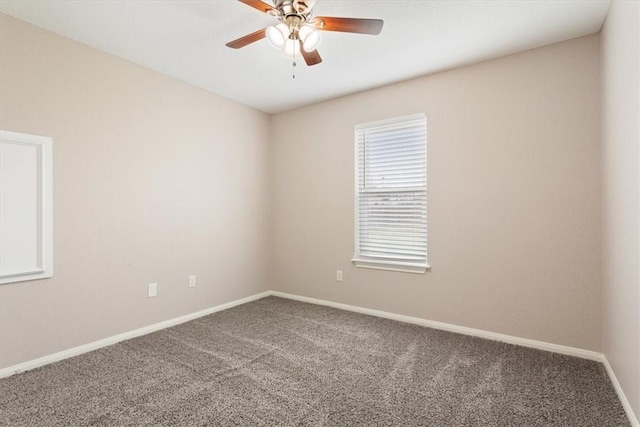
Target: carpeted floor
<point x="281" y="362"/>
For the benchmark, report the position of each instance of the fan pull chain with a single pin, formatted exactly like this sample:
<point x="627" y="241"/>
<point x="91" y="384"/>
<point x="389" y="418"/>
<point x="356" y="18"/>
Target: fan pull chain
<point x="293" y="71"/>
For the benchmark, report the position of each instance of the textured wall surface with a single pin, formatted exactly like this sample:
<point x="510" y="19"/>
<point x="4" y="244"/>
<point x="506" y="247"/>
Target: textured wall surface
<point x="154" y="180"/>
<point x="514" y="197"/>
<point x="621" y="194"/>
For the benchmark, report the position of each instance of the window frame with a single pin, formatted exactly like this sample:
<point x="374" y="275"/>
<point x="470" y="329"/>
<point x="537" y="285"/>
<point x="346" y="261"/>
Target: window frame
<point x="388" y="264"/>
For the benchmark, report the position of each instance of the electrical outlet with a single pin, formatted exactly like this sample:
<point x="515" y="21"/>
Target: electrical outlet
<point x="339" y="275"/>
<point x="152" y="290"/>
<point x="192" y="281"/>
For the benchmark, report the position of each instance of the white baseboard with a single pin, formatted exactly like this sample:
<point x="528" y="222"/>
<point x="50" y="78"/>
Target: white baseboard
<point x="540" y="345"/>
<point x="75" y="351"/>
<point x="623" y="398"/>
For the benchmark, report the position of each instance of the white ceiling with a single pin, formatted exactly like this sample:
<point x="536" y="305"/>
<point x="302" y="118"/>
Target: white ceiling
<point x="186" y="40"/>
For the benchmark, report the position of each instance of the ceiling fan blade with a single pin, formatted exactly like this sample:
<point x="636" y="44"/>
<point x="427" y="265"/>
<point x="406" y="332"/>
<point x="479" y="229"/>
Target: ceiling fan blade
<point x="349" y="25"/>
<point x="248" y="39"/>
<point x="311" y="58"/>
<point x="257" y="4"/>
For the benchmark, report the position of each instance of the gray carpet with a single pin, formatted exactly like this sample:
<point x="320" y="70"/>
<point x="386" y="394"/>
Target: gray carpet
<point x="281" y="362"/>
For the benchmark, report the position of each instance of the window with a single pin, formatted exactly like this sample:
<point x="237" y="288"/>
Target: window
<point x="391" y="194"/>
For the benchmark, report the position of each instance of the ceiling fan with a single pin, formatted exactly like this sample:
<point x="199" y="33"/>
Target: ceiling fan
<point x="298" y="32"/>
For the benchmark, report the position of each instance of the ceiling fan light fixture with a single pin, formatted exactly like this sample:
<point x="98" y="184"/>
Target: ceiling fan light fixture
<point x="292" y="49"/>
<point x="310" y="38"/>
<point x="277" y="36"/>
<point x="299" y="33"/>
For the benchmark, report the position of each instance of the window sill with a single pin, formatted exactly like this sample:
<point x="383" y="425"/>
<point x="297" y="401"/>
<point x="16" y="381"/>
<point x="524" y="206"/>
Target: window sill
<point x="404" y="267"/>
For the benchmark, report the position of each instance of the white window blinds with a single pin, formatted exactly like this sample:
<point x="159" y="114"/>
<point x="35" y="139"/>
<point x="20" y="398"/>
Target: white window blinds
<point x="391" y="194"/>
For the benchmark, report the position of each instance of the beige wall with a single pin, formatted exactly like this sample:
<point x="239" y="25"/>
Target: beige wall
<point x="514" y="197"/>
<point x="621" y="194"/>
<point x="154" y="180"/>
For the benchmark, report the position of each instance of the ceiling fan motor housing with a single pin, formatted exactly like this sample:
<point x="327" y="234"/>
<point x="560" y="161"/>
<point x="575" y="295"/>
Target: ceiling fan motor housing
<point x="293" y="7"/>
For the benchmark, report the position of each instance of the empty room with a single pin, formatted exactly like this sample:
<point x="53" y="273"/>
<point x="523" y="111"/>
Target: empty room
<point x="323" y="213"/>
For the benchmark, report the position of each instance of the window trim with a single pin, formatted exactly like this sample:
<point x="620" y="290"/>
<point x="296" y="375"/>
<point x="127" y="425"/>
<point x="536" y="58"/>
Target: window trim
<point x="388" y="265"/>
<point x="403" y="267"/>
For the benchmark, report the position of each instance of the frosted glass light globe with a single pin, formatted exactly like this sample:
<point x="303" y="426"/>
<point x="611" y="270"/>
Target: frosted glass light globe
<point x="310" y="38"/>
<point x="277" y="36"/>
